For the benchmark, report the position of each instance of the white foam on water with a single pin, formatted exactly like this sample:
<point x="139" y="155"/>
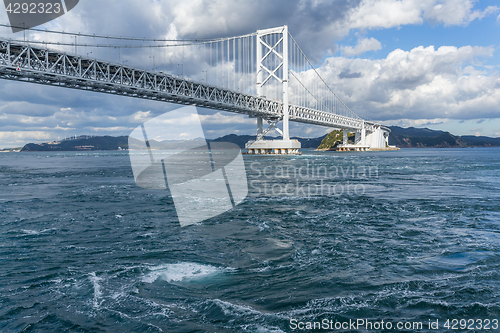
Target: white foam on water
<point x="34" y="232"/>
<point x="97" y="290"/>
<point x="230" y="309"/>
<point x="262" y="329"/>
<point x="183" y="271"/>
<point x="30" y="232"/>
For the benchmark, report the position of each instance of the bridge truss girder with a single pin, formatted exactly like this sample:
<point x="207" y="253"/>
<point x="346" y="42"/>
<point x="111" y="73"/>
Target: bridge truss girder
<point x="21" y="62"/>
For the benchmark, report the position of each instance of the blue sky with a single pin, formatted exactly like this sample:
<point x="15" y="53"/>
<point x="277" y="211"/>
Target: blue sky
<point x="422" y="63"/>
<point x="480" y="32"/>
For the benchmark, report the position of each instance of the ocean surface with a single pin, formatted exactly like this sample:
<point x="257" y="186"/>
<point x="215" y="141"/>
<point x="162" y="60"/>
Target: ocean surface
<point x="409" y="236"/>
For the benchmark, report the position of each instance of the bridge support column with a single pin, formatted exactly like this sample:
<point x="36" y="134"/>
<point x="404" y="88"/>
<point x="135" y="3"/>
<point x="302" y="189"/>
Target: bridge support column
<point x="360" y="140"/>
<point x="363" y="134"/>
<point x="260" y="129"/>
<point x="286" y="133"/>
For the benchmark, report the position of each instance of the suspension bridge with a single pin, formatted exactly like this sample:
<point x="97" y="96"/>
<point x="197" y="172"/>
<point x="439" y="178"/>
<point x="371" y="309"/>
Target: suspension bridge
<point x="264" y="75"/>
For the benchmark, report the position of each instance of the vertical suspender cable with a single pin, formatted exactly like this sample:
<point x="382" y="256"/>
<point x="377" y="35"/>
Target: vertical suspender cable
<point x="251" y="62"/>
<point x="239" y="64"/>
<point x="247" y="42"/>
<point x="210" y="51"/>
<point x="234" y="66"/>
<point x="216" y="63"/>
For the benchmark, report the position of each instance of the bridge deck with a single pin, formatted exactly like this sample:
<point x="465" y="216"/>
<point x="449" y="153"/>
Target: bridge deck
<point x="28" y="63"/>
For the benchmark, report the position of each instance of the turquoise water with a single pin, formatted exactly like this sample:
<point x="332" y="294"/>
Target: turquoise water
<point x="406" y="236"/>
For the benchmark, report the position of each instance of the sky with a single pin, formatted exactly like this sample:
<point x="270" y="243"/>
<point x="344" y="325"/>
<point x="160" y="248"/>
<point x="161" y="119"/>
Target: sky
<point x="421" y="63"/>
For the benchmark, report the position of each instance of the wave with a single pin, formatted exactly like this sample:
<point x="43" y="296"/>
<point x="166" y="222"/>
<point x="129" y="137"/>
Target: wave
<point x="97" y="290"/>
<point x="183" y="271"/>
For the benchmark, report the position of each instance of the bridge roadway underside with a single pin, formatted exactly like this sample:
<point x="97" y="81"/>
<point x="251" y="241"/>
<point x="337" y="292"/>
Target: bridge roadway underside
<point x="26" y="63"/>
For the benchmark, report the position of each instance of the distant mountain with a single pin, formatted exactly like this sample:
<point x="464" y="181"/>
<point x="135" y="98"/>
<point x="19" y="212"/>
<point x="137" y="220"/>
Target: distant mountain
<point x="86" y="143"/>
<point x="311" y="143"/>
<point x="401" y="137"/>
<point x="412" y="131"/>
<point x="81" y="143"/>
<point x="426" y="138"/>
<point x="482" y="141"/>
<point x="166" y="144"/>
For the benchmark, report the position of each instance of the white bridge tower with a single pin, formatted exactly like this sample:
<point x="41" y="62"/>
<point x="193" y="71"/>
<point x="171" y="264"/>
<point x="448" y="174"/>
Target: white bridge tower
<point x="265" y="51"/>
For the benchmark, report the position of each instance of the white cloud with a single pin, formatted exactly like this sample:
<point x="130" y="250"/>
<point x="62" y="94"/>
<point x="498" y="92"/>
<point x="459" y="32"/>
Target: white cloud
<point x="316" y="25"/>
<point x="140" y="116"/>
<point x="417" y="122"/>
<point x="373" y="14"/>
<point x="226" y="118"/>
<point x="477" y="131"/>
<point x="10" y="139"/>
<point x="376" y="14"/>
<point x="453" y="12"/>
<point x="119" y="129"/>
<point x="363" y="45"/>
<point x="424" y="83"/>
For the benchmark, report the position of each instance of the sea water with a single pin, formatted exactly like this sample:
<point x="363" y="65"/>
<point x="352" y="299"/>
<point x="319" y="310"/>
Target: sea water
<point x="409" y="236"/>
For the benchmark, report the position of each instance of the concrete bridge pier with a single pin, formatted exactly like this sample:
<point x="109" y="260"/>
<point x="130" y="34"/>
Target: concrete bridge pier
<point x="377" y="139"/>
